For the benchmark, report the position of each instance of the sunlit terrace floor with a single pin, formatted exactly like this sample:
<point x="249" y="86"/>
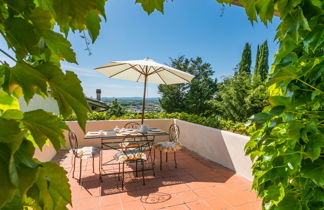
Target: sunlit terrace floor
<point x="195" y="184"/>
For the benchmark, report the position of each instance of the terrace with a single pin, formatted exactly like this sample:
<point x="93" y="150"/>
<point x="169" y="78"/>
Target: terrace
<point x="212" y="173"/>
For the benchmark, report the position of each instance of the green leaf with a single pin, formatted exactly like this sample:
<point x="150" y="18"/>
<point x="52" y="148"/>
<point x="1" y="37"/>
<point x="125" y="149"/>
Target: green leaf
<point x="23" y="42"/>
<point x="53" y="186"/>
<point x="11" y="134"/>
<point x="44" y="125"/>
<point x="41" y="20"/>
<point x="265" y="10"/>
<point x="150" y="5"/>
<point x="29" y="79"/>
<point x="280" y="101"/>
<point x="12" y="114"/>
<point x="250" y="9"/>
<point x="93" y="25"/>
<point x="66" y="89"/>
<point x="71" y="12"/>
<point x="7" y="188"/>
<point x="289" y="202"/>
<point x="7" y="101"/>
<point x="59" y="46"/>
<point x="314" y="171"/>
<point x="315" y="145"/>
<point x="282" y="74"/>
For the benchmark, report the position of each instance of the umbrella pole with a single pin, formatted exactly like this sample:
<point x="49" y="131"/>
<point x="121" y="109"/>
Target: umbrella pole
<point x="143" y="104"/>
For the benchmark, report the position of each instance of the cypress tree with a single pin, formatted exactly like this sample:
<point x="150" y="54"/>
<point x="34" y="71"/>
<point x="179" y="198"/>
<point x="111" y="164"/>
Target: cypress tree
<point x="263" y="62"/>
<point x="245" y="64"/>
<point x="256" y="71"/>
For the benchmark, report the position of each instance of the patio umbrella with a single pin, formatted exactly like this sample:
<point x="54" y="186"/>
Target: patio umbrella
<point x="145" y="70"/>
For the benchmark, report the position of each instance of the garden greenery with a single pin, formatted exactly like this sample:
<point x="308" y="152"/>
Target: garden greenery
<point x="214" y="122"/>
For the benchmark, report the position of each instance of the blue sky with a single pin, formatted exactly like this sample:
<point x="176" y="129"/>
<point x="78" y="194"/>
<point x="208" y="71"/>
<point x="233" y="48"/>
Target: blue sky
<point x="187" y="27"/>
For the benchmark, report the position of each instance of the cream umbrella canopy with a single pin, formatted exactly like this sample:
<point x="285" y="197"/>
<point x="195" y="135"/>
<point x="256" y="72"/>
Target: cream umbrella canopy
<point x="147" y="71"/>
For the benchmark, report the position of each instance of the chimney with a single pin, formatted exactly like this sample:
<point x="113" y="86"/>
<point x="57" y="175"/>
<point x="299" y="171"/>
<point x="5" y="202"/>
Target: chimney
<point x="98" y="92"/>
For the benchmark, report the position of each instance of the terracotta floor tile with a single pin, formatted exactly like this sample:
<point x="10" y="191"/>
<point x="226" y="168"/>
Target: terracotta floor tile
<point x="110" y="200"/>
<point x="218" y="204"/>
<point x="178" y="207"/>
<point x="88" y="203"/>
<point x="205" y="193"/>
<point x="196" y="184"/>
<point x="187" y="197"/>
<point x="133" y="205"/>
<point x="198" y="205"/>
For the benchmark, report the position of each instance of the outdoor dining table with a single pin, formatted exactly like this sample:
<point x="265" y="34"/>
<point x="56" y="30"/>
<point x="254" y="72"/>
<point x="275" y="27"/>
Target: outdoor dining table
<point x="111" y="140"/>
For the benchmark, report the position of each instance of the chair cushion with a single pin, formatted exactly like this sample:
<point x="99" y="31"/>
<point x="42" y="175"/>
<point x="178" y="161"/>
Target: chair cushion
<point x="129" y="155"/>
<point x="167" y="146"/>
<point x="87" y="152"/>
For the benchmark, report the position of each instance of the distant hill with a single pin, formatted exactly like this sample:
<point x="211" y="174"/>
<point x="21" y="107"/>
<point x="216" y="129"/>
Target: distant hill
<point x="128" y="98"/>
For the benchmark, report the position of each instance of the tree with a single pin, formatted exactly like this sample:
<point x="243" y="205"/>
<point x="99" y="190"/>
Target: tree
<point x="115" y="109"/>
<point x="191" y="97"/>
<point x="238" y="98"/>
<point x="173" y="96"/>
<point x="261" y="68"/>
<point x="245" y="63"/>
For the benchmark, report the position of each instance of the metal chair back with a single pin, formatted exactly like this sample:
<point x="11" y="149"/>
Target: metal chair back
<point x="132" y="125"/>
<point x="139" y="143"/>
<point x="73" y="140"/>
<point x="174" y="133"/>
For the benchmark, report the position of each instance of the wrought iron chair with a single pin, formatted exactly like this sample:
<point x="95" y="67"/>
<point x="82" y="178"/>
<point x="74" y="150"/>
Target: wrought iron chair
<point x="81" y="153"/>
<point x="133" y="125"/>
<point x="172" y="145"/>
<point x="134" y="148"/>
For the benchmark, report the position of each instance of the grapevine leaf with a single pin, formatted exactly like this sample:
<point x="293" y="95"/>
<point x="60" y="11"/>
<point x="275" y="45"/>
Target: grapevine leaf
<point x="7" y="188"/>
<point x="13" y="114"/>
<point x="10" y="134"/>
<point x="250" y="9"/>
<point x="67" y="90"/>
<point x="54" y="190"/>
<point x="314" y="146"/>
<point x="41" y="20"/>
<point x="23" y="42"/>
<point x="59" y="46"/>
<point x="73" y="12"/>
<point x="29" y="79"/>
<point x="7" y="101"/>
<point x="93" y="25"/>
<point x="265" y="9"/>
<point x="150" y="5"/>
<point x="289" y="202"/>
<point x="314" y="170"/>
<point x="44" y="125"/>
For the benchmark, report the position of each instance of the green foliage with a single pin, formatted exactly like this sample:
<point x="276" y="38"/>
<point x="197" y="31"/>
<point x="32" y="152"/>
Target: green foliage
<point x="245" y="63"/>
<point x="239" y="97"/>
<point x="115" y="109"/>
<point x="286" y="146"/>
<point x="28" y="29"/>
<point x="261" y="68"/>
<point x="213" y="122"/>
<point x="193" y="97"/>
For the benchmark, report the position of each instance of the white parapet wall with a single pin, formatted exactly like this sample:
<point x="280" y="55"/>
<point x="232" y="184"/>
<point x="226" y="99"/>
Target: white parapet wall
<point x="223" y="147"/>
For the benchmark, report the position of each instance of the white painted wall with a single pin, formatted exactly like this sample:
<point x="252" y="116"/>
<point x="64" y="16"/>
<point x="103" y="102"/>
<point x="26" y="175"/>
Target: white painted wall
<point x="37" y="102"/>
<point x="223" y="147"/>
